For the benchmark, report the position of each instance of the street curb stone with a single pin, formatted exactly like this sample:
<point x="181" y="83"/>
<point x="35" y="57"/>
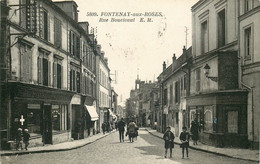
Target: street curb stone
<point x="54" y="150"/>
<point x="207" y="151"/>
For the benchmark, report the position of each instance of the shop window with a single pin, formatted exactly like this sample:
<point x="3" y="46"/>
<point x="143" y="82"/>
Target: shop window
<point x="232" y="120"/>
<point x="34" y="118"/>
<point x="208" y="119"/>
<point x="221" y="28"/>
<point x="59" y="118"/>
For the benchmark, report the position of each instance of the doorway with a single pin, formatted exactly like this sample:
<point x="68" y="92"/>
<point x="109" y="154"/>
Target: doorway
<point x="47" y="125"/>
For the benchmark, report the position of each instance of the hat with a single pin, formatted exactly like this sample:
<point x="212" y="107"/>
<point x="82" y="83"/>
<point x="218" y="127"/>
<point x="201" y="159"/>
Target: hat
<point x="26" y="130"/>
<point x="184" y="128"/>
<point x="168" y="127"/>
<point x="20" y="129"/>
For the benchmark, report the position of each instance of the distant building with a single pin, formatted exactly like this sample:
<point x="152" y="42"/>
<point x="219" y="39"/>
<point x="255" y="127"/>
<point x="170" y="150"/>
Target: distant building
<point x="174" y="87"/>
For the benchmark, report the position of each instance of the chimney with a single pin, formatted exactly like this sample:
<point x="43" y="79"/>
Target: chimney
<point x="164" y="66"/>
<point x="102" y="54"/>
<point x="173" y="61"/>
<point x="85" y="26"/>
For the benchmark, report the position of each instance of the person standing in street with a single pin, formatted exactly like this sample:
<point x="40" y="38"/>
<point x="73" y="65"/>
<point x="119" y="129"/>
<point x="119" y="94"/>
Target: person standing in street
<point x="104" y="127"/>
<point x="26" y="138"/>
<point x="19" y="138"/>
<point x="169" y="141"/>
<point x="194" y="132"/>
<point x="184" y="137"/>
<point x="121" y="129"/>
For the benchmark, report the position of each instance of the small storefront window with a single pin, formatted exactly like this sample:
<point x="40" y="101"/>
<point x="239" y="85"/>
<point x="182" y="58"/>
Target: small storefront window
<point x="59" y="117"/>
<point x="34" y="117"/>
<point x="232" y="121"/>
<point x="208" y="118"/>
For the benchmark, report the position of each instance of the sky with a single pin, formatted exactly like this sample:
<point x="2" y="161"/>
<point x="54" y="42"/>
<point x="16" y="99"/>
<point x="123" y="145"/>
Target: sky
<point x="138" y="48"/>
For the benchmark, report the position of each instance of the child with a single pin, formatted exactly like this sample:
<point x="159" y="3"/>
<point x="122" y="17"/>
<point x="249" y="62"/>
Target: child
<point x="19" y="138"/>
<point x="26" y="138"/>
<point x="168" y="138"/>
<point x="184" y="137"/>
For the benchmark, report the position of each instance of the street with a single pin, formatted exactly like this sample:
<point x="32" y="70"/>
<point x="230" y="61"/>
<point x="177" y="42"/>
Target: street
<point x="147" y="149"/>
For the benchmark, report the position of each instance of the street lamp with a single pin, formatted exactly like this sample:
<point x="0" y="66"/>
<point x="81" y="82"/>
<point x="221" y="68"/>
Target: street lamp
<point x="206" y="72"/>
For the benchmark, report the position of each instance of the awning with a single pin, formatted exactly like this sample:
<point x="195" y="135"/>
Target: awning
<point x="92" y="112"/>
<point x="112" y="114"/>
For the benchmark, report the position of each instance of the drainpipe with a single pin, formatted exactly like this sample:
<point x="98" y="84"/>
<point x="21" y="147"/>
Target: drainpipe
<point x="252" y="110"/>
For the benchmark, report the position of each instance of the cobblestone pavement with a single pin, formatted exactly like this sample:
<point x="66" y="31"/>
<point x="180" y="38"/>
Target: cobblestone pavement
<point x="147" y="149"/>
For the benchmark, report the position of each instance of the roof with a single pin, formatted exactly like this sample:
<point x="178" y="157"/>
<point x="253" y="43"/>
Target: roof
<point x="177" y="64"/>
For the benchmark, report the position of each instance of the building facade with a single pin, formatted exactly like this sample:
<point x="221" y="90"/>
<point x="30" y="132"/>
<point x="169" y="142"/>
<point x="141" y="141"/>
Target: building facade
<point x="249" y="63"/>
<point x="174" y="82"/>
<point x="49" y="80"/>
<point x="216" y="101"/>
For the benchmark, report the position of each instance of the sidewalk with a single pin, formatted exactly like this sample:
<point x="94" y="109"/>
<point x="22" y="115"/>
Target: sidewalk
<point x="244" y="154"/>
<point x="57" y="147"/>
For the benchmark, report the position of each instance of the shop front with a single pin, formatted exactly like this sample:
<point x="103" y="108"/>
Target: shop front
<point x="221" y="116"/>
<point x="91" y="118"/>
<point x="41" y="110"/>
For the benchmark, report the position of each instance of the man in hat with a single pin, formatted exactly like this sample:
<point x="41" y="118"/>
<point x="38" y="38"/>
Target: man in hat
<point x="184" y="137"/>
<point x="121" y="128"/>
<point x="26" y="138"/>
<point x="169" y="141"/>
<point x="19" y="138"/>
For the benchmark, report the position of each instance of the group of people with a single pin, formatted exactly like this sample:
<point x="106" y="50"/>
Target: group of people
<point x="22" y="137"/>
<point x="132" y="130"/>
<point x="184" y="137"/>
<point x="106" y="127"/>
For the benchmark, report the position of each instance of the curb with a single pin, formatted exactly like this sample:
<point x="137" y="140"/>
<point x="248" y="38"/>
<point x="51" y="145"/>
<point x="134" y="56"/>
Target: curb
<point x="207" y="151"/>
<point x="54" y="150"/>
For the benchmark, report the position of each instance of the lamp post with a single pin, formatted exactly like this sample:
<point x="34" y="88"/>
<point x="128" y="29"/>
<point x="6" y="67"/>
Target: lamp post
<point x="206" y="72"/>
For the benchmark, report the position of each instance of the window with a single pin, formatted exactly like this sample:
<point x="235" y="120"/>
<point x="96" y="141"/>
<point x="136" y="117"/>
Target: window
<point x="34" y="118"/>
<point x="26" y="62"/>
<point x="45" y="25"/>
<point x="44" y="68"/>
<point x="57" y="32"/>
<point x="204" y="37"/>
<point x="57" y="73"/>
<point x="78" y="81"/>
<point x="74" y="44"/>
<point x="59" y="118"/>
<point x="232" y="121"/>
<point x="27" y="15"/>
<point x="248" y="42"/>
<point x="208" y="118"/>
<point x="165" y="97"/>
<point x="221" y="28"/>
<point x="197" y="80"/>
<point x="171" y="94"/>
<point x="177" y="92"/>
<point x="75" y="78"/>
<point x="247" y="5"/>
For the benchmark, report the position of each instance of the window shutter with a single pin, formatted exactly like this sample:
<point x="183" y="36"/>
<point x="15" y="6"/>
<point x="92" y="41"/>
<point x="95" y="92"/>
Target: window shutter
<point x="49" y="73"/>
<point x="61" y="77"/>
<point x="60" y="34"/>
<point x="39" y="63"/>
<point x="40" y="21"/>
<point x="68" y="43"/>
<point x="55" y="75"/>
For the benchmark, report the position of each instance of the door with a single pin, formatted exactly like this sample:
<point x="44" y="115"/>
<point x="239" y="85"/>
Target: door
<point x="47" y="125"/>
